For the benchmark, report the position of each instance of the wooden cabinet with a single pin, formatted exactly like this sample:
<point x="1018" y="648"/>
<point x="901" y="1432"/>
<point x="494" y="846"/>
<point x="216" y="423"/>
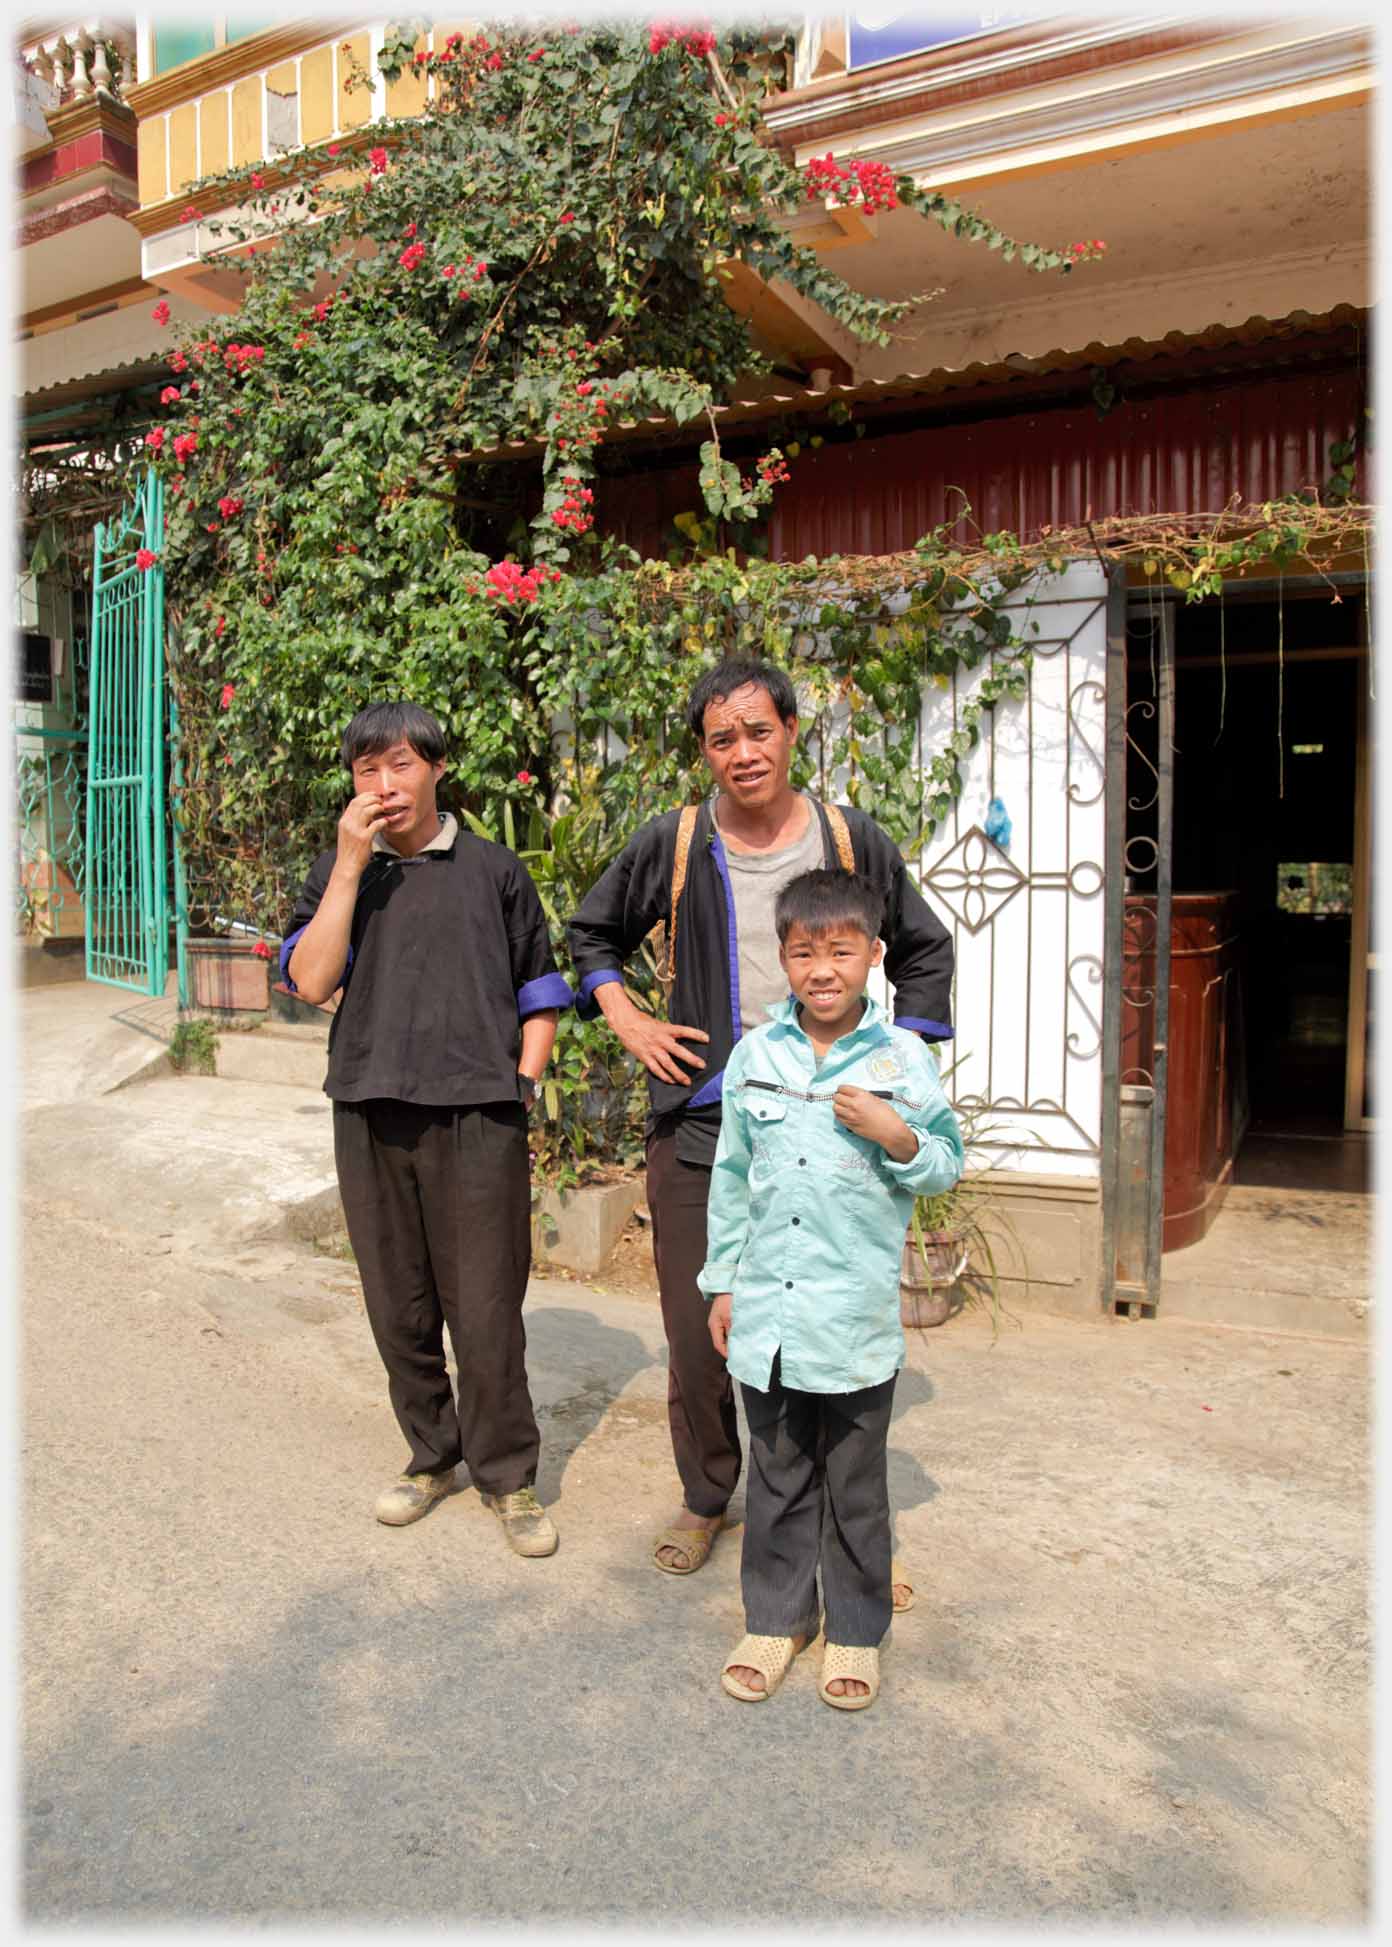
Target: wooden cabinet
<point x="1206" y="1088"/>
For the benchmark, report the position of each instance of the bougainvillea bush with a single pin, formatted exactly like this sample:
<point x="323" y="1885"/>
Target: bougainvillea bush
<point x="533" y="259"/>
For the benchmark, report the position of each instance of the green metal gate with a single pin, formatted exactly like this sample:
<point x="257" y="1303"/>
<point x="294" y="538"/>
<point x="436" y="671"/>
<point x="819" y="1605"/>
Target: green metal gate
<point x="127" y="896"/>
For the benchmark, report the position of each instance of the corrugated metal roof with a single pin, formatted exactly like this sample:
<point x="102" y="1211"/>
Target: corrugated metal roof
<point x="91" y="385"/>
<point x="791" y="400"/>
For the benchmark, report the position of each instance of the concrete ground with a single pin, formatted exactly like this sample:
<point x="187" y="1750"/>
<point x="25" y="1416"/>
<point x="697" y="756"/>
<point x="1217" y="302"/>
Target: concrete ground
<point x="1134" y="1688"/>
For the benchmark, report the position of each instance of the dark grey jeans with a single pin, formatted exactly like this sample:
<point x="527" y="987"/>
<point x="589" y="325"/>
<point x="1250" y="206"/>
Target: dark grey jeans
<point x="817" y="1495"/>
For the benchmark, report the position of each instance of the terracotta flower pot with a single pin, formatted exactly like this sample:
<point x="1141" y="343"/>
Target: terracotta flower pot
<point x="926" y="1279"/>
<point x="228" y="976"/>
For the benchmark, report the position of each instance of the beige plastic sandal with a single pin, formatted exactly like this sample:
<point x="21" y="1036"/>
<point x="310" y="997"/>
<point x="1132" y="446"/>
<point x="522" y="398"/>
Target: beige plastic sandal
<point x="898" y="1580"/>
<point x="853" y="1663"/>
<point x="771" y="1656"/>
<point x="692" y="1544"/>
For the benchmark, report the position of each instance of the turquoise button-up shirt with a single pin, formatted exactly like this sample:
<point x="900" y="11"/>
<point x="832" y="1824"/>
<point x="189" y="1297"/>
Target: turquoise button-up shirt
<point x="807" y="1220"/>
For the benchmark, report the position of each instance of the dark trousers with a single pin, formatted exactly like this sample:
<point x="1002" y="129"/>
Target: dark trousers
<point x="438" y="1202"/>
<point x="700" y="1395"/>
<point x="817" y="1494"/>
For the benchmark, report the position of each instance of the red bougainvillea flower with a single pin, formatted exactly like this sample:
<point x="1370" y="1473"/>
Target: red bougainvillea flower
<point x="229" y="690"/>
<point x="190" y="213"/>
<point x="184" y="445"/>
<point x="411" y="256"/>
<point x="178" y="363"/>
<point x="229" y="505"/>
<point x="721" y="120"/>
<point x="524" y="777"/>
<point x="409" y="231"/>
<point x="696" y="40"/>
<point x="160" y="314"/>
<point x="221" y="625"/>
<point x="258" y="181"/>
<point x="869" y="183"/>
<point x="261" y="950"/>
<point x="170" y="396"/>
<point x="569" y="217"/>
<point x="448" y="271"/>
<point x="154" y="439"/>
<point x="494" y="61"/>
<point x="507" y="581"/>
<point x="537" y="54"/>
<point x="322" y="308"/>
<point x="377" y="161"/>
<point x="301" y="339"/>
<point x="144" y="559"/>
<point x="333" y="148"/>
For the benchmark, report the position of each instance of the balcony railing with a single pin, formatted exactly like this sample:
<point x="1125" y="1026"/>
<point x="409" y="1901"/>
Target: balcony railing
<point x="82" y="63"/>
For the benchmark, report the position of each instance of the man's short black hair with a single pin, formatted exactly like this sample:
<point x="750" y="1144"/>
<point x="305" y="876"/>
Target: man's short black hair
<point x="381" y="725"/>
<point x="820" y="902"/>
<point x="735" y="673"/>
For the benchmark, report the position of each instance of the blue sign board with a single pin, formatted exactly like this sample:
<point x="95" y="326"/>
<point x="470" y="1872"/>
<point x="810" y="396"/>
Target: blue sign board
<point x="885" y="33"/>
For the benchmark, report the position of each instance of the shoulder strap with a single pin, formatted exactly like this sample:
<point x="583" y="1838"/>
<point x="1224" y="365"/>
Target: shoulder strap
<point x="686" y="825"/>
<point x="841" y="836"/>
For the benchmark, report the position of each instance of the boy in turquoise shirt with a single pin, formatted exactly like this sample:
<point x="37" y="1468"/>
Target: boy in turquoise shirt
<point x="834" y="1121"/>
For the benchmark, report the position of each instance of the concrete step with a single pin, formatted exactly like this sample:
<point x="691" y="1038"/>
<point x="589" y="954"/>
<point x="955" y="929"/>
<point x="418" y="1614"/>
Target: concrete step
<point x="293" y="1056"/>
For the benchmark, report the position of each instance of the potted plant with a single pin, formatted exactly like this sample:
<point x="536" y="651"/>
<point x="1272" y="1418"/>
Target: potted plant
<point x="229" y="975"/>
<point x="949" y="1260"/>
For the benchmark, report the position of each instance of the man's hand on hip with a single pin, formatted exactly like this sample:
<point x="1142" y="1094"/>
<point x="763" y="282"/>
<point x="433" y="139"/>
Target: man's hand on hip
<point x="657" y="1044"/>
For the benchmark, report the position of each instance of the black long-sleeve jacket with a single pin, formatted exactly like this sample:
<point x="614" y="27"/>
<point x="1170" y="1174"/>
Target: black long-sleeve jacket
<point x="624" y="905"/>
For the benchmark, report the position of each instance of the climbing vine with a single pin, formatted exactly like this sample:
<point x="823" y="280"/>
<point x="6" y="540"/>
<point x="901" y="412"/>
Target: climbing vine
<point x="385" y="470"/>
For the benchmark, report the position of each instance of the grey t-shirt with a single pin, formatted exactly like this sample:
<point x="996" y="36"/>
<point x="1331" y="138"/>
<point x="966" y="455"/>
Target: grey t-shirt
<point x="756" y="879"/>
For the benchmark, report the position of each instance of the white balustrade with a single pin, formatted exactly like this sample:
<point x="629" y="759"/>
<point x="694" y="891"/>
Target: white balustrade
<point x="84" y="61"/>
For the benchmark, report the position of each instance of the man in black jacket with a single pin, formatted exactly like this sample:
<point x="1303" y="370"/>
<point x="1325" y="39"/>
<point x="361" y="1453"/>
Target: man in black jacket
<point x="749" y="839"/>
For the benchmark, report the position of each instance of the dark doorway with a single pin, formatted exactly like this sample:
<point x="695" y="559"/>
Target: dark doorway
<point x="1265" y="766"/>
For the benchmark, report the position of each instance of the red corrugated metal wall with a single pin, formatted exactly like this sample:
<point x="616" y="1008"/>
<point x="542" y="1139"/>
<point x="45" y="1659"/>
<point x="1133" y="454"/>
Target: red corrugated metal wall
<point x="1174" y="452"/>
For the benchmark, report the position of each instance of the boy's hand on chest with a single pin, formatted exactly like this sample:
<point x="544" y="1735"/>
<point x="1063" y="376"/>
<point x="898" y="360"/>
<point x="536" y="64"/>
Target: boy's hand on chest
<point x="876" y="1120"/>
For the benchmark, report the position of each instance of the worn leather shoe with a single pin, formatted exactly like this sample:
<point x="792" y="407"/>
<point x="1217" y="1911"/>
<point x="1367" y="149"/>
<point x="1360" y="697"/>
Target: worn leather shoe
<point x="528" y="1527"/>
<point x="412" y="1496"/>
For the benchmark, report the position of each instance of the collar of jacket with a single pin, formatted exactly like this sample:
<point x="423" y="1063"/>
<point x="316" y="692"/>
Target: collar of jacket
<point x="443" y="841"/>
<point x="872" y="1026"/>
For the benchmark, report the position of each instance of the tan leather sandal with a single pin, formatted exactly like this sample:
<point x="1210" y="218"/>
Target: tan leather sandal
<point x="693" y="1544"/>
<point x="854" y="1664"/>
<point x="771" y="1656"/>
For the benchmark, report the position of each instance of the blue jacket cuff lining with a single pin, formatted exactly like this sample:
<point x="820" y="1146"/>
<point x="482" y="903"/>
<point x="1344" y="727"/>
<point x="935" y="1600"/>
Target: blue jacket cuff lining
<point x="547" y="990"/>
<point x="586" y="1006"/>
<point x="708" y="1092"/>
<point x="934" y="1030"/>
<point x="287" y="948"/>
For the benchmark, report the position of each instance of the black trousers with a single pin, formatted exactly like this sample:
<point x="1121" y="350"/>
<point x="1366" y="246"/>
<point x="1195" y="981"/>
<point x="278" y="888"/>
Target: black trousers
<point x="817" y="1496"/>
<point x="438" y="1202"/>
<point x="700" y="1394"/>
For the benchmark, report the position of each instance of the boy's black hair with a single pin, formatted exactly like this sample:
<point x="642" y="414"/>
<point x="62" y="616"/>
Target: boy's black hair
<point x="735" y="673"/>
<point x="381" y="725"/>
<point x="820" y="902"/>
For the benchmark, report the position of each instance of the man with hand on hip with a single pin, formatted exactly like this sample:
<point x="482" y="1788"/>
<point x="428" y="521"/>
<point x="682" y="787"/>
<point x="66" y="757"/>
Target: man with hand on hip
<point x="712" y="874"/>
